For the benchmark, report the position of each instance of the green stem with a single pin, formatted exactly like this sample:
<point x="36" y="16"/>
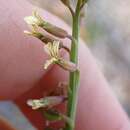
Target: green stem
<point x="74" y="76"/>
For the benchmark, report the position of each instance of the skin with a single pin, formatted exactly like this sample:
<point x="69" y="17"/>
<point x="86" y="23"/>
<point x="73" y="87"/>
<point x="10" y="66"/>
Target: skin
<point x="22" y="76"/>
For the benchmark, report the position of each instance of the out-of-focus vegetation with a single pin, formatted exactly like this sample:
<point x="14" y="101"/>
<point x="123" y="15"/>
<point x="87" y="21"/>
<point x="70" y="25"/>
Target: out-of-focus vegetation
<point x="106" y="30"/>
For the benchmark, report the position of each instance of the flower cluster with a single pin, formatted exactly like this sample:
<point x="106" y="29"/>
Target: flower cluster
<point x="52" y="48"/>
<point x="51" y="39"/>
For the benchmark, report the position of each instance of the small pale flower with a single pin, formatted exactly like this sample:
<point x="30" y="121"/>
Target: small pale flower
<point x="35" y="19"/>
<point x="52" y="49"/>
<point x="46" y="102"/>
<point x="35" y="104"/>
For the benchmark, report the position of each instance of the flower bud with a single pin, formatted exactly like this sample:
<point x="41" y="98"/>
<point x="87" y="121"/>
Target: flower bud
<point x="34" y="20"/>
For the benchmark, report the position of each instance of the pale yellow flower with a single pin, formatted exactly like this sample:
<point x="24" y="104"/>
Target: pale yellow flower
<point x="35" y="19"/>
<point x="46" y="102"/>
<point x="52" y="49"/>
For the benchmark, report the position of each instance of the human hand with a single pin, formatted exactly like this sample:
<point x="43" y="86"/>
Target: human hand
<point x="22" y="76"/>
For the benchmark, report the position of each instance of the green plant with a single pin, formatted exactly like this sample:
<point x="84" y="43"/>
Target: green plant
<point x="52" y="48"/>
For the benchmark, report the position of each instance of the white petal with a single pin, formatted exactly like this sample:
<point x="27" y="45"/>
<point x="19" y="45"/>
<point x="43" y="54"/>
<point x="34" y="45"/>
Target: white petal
<point x="27" y="32"/>
<point x="47" y="48"/>
<point x="31" y="20"/>
<point x="49" y="62"/>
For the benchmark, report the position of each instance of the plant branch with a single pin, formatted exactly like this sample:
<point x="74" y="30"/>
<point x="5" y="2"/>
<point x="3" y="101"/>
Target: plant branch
<point x="71" y="10"/>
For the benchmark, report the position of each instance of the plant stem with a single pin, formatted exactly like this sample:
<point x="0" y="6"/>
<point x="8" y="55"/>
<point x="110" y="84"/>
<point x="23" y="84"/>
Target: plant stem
<point x="74" y="76"/>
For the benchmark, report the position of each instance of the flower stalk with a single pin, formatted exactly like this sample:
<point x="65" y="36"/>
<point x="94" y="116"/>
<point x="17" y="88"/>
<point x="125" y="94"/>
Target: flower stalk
<point x="74" y="76"/>
<point x="52" y="48"/>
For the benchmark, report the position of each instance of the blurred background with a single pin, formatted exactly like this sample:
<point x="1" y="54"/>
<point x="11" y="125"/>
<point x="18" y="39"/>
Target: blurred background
<point x="106" y="31"/>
